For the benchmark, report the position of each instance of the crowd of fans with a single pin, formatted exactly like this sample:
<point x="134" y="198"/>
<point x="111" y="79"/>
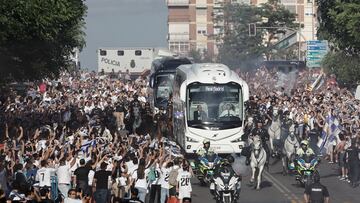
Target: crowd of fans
<point x="83" y="138"/>
<point x="324" y="113"/>
<point x="99" y="136"/>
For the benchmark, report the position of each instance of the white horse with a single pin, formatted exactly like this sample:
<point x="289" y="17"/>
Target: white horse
<point x="257" y="161"/>
<point x="274" y="128"/>
<point x="289" y="150"/>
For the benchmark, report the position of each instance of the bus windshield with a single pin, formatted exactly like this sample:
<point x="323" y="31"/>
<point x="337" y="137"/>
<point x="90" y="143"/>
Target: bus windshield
<point x="214" y="106"/>
<point x="164" y="88"/>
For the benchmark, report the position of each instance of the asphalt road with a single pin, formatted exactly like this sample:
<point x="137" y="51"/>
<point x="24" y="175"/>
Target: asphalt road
<point x="277" y="188"/>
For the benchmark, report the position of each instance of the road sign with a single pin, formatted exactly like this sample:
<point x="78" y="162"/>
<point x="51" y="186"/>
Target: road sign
<point x="316" y="51"/>
<point x="316" y="48"/>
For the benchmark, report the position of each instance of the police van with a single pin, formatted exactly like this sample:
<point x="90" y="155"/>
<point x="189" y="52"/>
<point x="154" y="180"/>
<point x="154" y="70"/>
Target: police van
<point x="135" y="60"/>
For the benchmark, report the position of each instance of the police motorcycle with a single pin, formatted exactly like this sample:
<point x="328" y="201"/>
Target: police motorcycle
<point x="304" y="169"/>
<point x="227" y="186"/>
<point x="205" y="167"/>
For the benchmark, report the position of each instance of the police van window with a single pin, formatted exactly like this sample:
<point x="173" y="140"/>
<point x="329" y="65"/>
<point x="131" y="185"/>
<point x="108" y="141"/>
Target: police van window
<point x="137" y="53"/>
<point x="102" y="52"/>
<point x="120" y="53"/>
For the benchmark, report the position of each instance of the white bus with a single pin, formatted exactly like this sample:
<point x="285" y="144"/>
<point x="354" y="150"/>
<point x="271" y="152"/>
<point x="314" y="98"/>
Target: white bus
<point x="221" y="93"/>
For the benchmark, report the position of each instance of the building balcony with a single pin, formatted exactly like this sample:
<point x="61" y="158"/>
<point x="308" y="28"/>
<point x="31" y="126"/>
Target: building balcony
<point x="178" y="37"/>
<point x="178" y="2"/>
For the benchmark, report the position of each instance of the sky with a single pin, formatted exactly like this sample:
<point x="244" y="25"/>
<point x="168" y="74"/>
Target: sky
<point x="123" y="23"/>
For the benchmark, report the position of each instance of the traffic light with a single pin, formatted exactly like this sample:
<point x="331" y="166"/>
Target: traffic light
<point x="252" y="29"/>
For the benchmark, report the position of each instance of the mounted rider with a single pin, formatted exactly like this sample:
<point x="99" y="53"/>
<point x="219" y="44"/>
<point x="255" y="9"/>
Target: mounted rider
<point x="264" y="136"/>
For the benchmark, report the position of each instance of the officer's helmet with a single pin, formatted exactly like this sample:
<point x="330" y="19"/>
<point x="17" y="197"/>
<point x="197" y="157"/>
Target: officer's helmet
<point x="206" y="142"/>
<point x="304" y="143"/>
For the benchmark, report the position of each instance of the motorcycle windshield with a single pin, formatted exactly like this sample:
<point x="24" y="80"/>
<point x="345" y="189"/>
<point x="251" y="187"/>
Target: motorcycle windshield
<point x="204" y="160"/>
<point x="313" y="162"/>
<point x="225" y="177"/>
<point x="301" y="161"/>
<point x="308" y="159"/>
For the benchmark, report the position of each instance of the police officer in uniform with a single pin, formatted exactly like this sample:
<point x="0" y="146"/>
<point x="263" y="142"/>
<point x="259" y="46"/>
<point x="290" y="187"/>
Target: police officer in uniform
<point x="316" y="192"/>
<point x="263" y="134"/>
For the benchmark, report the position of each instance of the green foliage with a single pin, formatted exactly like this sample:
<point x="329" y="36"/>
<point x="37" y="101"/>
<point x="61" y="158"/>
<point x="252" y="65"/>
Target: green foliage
<point x="238" y="48"/>
<point x="38" y="36"/>
<point x="241" y="50"/>
<point x="340" y="23"/>
<point x="346" y="67"/>
<point x="277" y="16"/>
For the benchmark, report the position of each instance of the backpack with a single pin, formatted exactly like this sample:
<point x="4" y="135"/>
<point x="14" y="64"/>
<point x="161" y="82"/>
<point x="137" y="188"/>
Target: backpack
<point x="173" y="177"/>
<point x="153" y="174"/>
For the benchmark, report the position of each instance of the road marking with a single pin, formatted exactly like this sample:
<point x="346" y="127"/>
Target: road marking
<point x="283" y="186"/>
<point x="288" y="196"/>
<point x="277" y="182"/>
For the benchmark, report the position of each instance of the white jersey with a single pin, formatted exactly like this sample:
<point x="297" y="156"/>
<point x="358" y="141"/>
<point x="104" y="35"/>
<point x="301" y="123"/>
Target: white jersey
<point x="43" y="175"/>
<point x="185" y="188"/>
<point x="64" y="174"/>
<point x="140" y="183"/>
<point x="164" y="177"/>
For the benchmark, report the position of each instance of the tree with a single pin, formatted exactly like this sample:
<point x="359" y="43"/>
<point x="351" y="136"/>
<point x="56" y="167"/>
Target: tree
<point x="346" y="67"/>
<point x="238" y="48"/>
<point x="277" y="16"/>
<point x="339" y="24"/>
<point x="37" y="37"/>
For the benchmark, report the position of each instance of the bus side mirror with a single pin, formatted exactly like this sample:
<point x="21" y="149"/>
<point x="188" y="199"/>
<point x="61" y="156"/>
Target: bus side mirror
<point x="152" y="81"/>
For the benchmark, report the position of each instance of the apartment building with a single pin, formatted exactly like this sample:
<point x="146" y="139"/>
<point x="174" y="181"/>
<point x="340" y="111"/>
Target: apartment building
<point x="190" y="26"/>
<point x="305" y="11"/>
<point x="195" y="24"/>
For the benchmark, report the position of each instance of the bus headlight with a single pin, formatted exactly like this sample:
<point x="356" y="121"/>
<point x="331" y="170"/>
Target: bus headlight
<point x="189" y="139"/>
